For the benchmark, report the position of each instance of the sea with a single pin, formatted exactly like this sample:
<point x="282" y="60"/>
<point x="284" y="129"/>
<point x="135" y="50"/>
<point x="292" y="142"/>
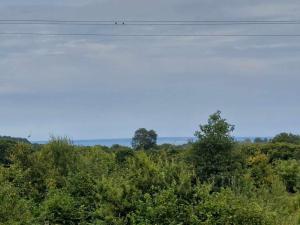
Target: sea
<point x="127" y="141"/>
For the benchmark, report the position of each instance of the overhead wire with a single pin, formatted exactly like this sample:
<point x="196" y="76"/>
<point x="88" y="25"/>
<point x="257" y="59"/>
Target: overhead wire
<point x="146" y="22"/>
<point x="125" y="23"/>
<point x="147" y="35"/>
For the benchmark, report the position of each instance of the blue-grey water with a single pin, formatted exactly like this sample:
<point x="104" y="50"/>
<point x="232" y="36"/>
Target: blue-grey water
<point x="127" y="141"/>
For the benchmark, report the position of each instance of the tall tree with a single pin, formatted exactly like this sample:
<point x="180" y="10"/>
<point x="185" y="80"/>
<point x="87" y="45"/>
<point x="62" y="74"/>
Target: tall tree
<point x="144" y="139"/>
<point x="213" y="149"/>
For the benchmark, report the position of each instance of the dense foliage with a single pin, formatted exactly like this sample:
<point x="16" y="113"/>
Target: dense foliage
<point x="144" y="139"/>
<point x="287" y="138"/>
<point x="16" y="139"/>
<point x="59" y="183"/>
<point x="213" y="151"/>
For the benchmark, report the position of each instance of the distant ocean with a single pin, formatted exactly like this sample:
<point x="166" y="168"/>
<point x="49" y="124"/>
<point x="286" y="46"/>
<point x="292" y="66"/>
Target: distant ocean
<point x="127" y="141"/>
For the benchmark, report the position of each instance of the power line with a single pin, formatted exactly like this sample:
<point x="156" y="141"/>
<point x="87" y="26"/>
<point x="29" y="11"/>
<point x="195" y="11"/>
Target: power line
<point x="147" y="22"/>
<point x="144" y="35"/>
<point x="151" y="21"/>
<point x="141" y="24"/>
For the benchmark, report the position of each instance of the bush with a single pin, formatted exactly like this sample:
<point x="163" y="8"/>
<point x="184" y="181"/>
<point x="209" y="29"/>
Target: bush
<point x="289" y="171"/>
<point x="60" y="208"/>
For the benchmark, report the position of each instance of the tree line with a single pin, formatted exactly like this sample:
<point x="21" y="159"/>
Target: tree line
<point x="211" y="181"/>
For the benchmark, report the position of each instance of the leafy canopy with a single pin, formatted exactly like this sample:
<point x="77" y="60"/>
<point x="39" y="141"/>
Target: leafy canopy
<point x="213" y="150"/>
<point x="287" y="138"/>
<point x="144" y="139"/>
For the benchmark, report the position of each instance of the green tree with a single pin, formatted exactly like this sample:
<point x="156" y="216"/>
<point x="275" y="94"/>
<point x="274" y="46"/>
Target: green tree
<point x="289" y="171"/>
<point x="6" y="147"/>
<point x="60" y="208"/>
<point x="14" y="139"/>
<point x="214" y="149"/>
<point x="144" y="139"/>
<point x="287" y="138"/>
<point x="260" y="140"/>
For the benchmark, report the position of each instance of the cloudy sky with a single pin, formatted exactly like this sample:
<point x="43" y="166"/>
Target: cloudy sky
<point x="106" y="87"/>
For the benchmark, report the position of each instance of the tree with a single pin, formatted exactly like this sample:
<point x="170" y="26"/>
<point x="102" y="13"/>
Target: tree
<point x="247" y="140"/>
<point x="13" y="208"/>
<point x="287" y="138"/>
<point x="144" y="139"/>
<point x="60" y="208"/>
<point x="260" y="140"/>
<point x="289" y="171"/>
<point x="214" y="147"/>
<point x="6" y="147"/>
<point x="14" y="139"/>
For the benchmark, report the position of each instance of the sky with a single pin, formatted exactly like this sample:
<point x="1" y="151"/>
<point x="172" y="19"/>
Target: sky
<point x="107" y="87"/>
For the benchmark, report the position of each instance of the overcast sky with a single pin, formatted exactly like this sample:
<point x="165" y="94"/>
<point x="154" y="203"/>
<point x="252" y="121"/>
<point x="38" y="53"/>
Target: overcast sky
<point x="95" y="87"/>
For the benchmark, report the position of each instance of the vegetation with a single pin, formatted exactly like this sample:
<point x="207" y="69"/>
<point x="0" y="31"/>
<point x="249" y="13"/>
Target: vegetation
<point x="287" y="138"/>
<point x="144" y="139"/>
<point x="260" y="140"/>
<point x="15" y="139"/>
<point x="214" y="150"/>
<point x="214" y="181"/>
